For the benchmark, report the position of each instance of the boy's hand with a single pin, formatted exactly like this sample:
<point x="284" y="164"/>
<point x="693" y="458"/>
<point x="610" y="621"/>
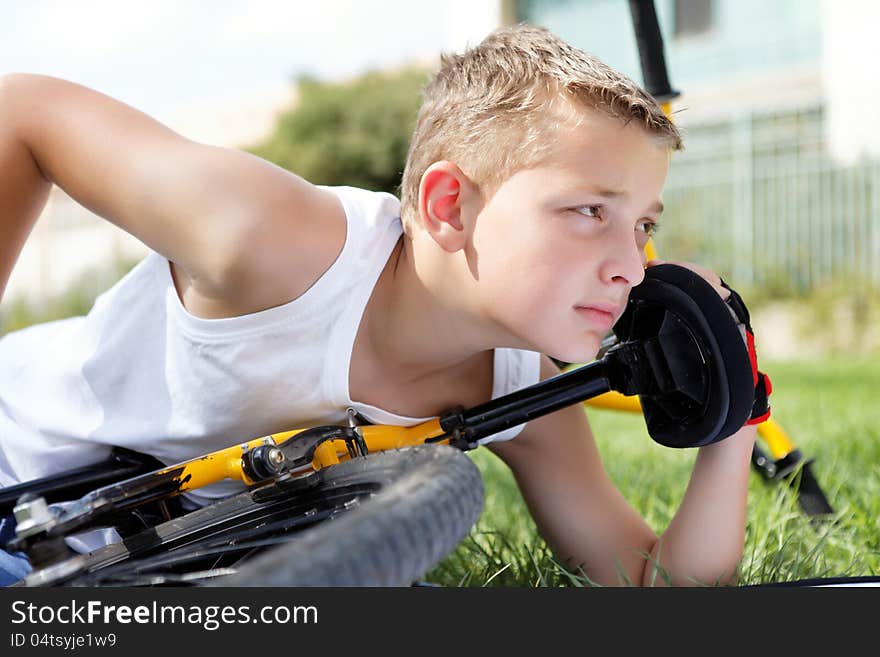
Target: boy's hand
<point x="763" y="385"/>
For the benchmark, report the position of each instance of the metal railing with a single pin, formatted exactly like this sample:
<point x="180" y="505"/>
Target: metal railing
<point x="762" y="199"/>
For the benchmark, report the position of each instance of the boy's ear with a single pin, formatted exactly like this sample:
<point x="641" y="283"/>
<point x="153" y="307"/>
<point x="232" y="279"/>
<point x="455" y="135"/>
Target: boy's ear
<point x="444" y="194"/>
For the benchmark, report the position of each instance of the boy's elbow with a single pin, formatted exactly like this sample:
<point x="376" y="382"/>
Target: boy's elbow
<point x="724" y="575"/>
<point x="718" y="567"/>
<point x="717" y="573"/>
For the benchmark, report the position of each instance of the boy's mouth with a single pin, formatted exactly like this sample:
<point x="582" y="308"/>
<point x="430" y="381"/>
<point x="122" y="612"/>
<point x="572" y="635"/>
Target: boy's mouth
<point x="603" y="316"/>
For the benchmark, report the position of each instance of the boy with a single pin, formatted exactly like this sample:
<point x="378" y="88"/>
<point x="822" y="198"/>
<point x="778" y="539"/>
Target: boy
<point x="531" y="188"/>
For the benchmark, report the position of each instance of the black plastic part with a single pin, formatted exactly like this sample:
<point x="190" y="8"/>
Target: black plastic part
<point x="798" y="473"/>
<point x="693" y="376"/>
<point x="299" y="450"/>
<point x="529" y="403"/>
<point x="762" y="463"/>
<point x="761" y="404"/>
<point x="650" y="45"/>
<point x="811" y="497"/>
<point x="257" y="465"/>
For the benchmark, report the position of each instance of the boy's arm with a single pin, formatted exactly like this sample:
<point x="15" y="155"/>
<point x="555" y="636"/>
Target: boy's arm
<point x="588" y="523"/>
<point x="240" y="230"/>
<point x="23" y="192"/>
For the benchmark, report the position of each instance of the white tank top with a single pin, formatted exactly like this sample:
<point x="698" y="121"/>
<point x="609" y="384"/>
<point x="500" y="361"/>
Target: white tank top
<point x="141" y="372"/>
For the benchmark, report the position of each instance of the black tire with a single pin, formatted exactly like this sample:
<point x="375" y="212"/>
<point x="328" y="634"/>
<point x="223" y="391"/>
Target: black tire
<point x="380" y="520"/>
<point x="433" y="497"/>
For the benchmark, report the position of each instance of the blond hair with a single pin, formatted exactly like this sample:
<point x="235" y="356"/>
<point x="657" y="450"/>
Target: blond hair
<point x="493" y="108"/>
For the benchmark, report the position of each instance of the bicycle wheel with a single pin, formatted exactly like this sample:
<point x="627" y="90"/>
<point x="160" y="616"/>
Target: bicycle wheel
<point x="379" y="520"/>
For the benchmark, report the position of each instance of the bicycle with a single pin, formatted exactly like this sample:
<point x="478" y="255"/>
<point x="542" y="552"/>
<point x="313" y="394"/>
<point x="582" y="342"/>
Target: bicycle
<point x="378" y="505"/>
<point x="300" y="478"/>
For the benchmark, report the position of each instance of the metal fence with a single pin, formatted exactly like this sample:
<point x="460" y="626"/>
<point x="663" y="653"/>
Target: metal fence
<point x="761" y="199"/>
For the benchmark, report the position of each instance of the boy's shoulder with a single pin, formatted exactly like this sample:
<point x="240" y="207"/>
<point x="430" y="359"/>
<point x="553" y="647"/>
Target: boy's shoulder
<point x="284" y="244"/>
<point x="291" y="246"/>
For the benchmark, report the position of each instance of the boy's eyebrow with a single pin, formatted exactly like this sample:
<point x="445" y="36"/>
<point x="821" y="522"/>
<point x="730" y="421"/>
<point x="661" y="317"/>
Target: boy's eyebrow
<point x="657" y="206"/>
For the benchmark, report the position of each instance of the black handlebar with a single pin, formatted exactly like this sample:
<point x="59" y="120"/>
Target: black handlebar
<point x="650" y="46"/>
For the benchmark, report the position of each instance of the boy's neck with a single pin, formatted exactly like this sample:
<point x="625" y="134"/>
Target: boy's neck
<point x="410" y="331"/>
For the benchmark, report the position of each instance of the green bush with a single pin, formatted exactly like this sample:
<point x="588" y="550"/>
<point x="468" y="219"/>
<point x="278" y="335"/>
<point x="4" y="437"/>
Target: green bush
<point x="355" y="133"/>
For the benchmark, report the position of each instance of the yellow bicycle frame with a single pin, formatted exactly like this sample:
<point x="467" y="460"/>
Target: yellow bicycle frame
<point x="227" y="463"/>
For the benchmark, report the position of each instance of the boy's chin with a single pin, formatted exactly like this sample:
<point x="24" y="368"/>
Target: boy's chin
<point x="575" y="358"/>
<point x="583" y="353"/>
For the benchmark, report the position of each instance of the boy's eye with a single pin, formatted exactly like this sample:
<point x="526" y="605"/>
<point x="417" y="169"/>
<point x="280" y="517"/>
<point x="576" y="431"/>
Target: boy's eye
<point x="589" y="210"/>
<point x="649" y="228"/>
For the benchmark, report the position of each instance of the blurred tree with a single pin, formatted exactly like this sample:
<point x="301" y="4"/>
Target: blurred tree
<point x="355" y="133"/>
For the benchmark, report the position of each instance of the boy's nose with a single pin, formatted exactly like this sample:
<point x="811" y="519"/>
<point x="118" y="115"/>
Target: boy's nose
<point x="624" y="263"/>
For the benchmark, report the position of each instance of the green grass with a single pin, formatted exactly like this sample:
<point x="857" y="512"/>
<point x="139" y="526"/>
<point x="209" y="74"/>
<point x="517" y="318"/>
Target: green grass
<point x="831" y="412"/>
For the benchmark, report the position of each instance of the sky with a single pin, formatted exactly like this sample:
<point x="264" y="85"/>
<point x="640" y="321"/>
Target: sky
<point x="185" y="60"/>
